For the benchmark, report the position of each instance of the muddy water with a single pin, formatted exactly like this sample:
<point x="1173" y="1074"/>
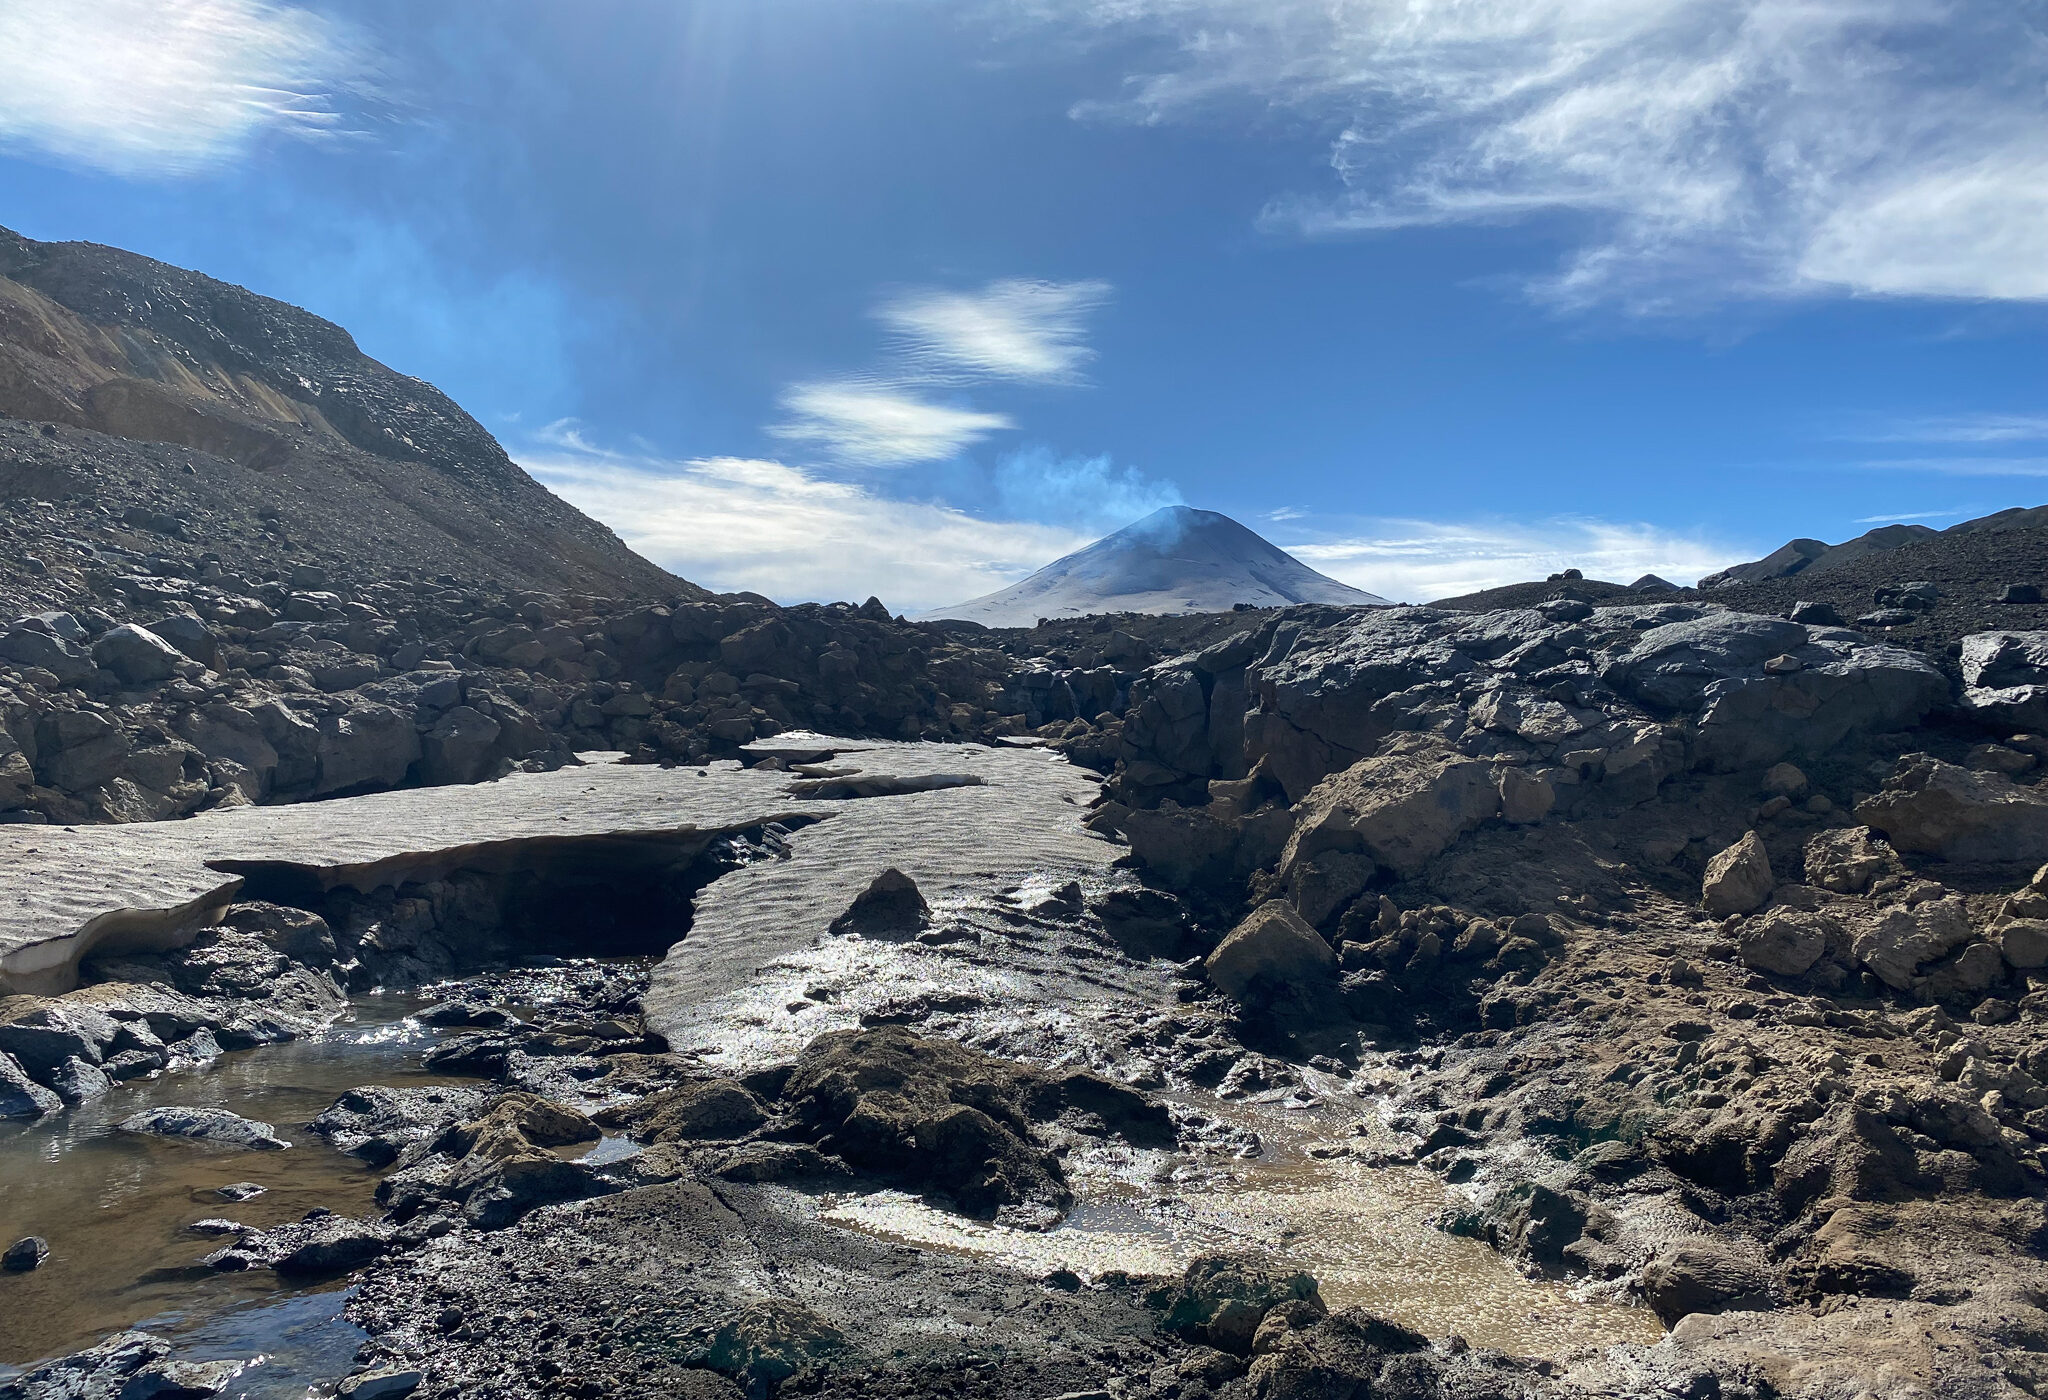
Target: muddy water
<point x="115" y="1206"/>
<point x="1365" y="1233"/>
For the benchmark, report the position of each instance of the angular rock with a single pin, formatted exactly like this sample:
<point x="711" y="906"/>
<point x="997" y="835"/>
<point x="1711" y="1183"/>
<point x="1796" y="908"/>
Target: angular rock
<point x="1900" y="941"/>
<point x="2005" y="678"/>
<point x="459" y="747"/>
<point x="1786" y="942"/>
<point x="890" y="907"/>
<point x="138" y="656"/>
<point x="25" y="1255"/>
<point x="60" y="657"/>
<point x="1847" y="860"/>
<point x="20" y="1096"/>
<point x="1933" y="808"/>
<point x="1525" y="797"/>
<point x="215" y="1127"/>
<point x="1739" y="879"/>
<point x="369" y="747"/>
<point x="1703" y="1278"/>
<point x="1272" y="953"/>
<point x="1221" y="1300"/>
<point x="1402" y="807"/>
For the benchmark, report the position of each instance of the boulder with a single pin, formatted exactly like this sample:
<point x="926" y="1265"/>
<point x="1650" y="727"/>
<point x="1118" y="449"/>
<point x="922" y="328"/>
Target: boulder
<point x="931" y="1115"/>
<point x="1323" y="886"/>
<point x="216" y="1127"/>
<point x="716" y="1109"/>
<point x="138" y="656"/>
<point x="2005" y="678"/>
<point x="376" y="1123"/>
<point x="458" y="748"/>
<point x="1739" y="879"/>
<point x="42" y="1034"/>
<point x="1703" y="1277"/>
<point x="190" y="636"/>
<point x="1933" y="808"/>
<point x="20" y="1096"/>
<point x="1786" y="942"/>
<point x="1183" y="848"/>
<point x="380" y="1385"/>
<point x="318" y="1247"/>
<point x="62" y="658"/>
<point x="890" y="907"/>
<point x="1750" y="713"/>
<point x="1272" y="953"/>
<point x="1525" y="797"/>
<point x="2023" y="943"/>
<point x="1402" y="807"/>
<point x="25" y="1255"/>
<point x="369" y="747"/>
<point x="1847" y="860"/>
<point x="1221" y="1299"/>
<point x="1900" y="941"/>
<point x="79" y="749"/>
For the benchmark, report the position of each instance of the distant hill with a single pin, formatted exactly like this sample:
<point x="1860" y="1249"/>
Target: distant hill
<point x="1807" y="556"/>
<point x="1176" y="560"/>
<point x="253" y="422"/>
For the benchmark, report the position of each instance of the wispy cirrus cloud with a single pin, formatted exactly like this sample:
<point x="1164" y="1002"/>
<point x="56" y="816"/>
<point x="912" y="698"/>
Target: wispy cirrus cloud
<point x="943" y="341"/>
<point x="1961" y="466"/>
<point x="1703" y="148"/>
<point x="880" y="424"/>
<point x="172" y="87"/>
<point x="1419" y="560"/>
<point x="1962" y="428"/>
<point x="739" y="524"/>
<point x="1011" y="329"/>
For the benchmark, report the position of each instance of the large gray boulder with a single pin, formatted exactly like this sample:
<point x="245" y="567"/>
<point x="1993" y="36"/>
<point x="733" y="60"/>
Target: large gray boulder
<point x="138" y="656"/>
<point x="1272" y="952"/>
<point x="1738" y="879"/>
<point x="190" y="636"/>
<point x="21" y="1096"/>
<point x="43" y="1035"/>
<point x="1402" y="807"/>
<point x="459" y="747"/>
<point x="29" y="646"/>
<point x="369" y="747"/>
<point x="2005" y="678"/>
<point x="79" y="749"/>
<point x="1934" y="808"/>
<point x="1764" y="688"/>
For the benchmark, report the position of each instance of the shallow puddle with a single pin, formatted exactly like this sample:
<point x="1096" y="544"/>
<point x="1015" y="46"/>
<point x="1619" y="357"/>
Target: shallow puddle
<point x="1364" y="1233"/>
<point x="116" y="1206"/>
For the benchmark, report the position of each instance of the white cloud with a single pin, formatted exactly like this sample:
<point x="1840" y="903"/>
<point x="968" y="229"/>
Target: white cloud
<point x="1964" y="428"/>
<point x="1416" y="561"/>
<point x="169" y="87"/>
<point x="1963" y="466"/>
<point x="881" y="425"/>
<point x="1707" y="147"/>
<point x="1908" y="515"/>
<point x="733" y="524"/>
<point x="1011" y="329"/>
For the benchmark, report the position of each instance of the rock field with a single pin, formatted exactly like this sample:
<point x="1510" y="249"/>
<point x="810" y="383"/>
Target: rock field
<point x="1682" y="956"/>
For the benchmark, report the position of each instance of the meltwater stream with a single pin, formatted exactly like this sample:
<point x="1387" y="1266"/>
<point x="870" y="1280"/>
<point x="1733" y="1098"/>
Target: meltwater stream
<point x="116" y="1207"/>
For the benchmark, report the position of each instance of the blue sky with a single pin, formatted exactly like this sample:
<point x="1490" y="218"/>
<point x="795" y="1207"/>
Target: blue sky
<point x="824" y="298"/>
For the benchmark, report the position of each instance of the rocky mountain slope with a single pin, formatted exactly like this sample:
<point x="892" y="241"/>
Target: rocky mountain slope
<point x="242" y="562"/>
<point x="1808" y="557"/>
<point x="190" y="410"/>
<point x="1175" y="560"/>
